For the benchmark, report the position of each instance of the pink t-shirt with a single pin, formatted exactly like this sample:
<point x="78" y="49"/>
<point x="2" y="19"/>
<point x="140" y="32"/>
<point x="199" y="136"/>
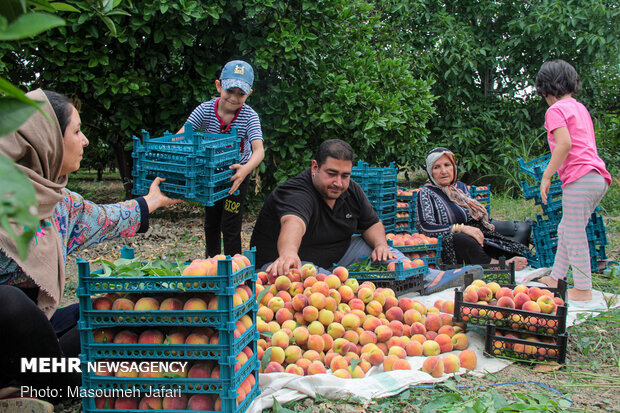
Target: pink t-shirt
<point x="583" y="155"/>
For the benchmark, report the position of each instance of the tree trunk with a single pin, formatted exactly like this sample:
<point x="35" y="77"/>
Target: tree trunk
<point x="124" y="162"/>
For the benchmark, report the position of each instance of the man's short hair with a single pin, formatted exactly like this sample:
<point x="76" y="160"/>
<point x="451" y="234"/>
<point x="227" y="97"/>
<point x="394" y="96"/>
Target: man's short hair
<point x="334" y="148"/>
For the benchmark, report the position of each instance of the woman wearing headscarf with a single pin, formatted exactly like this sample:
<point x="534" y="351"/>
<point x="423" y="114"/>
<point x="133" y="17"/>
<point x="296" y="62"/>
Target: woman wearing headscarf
<point x="444" y="207"/>
<point x="31" y="289"/>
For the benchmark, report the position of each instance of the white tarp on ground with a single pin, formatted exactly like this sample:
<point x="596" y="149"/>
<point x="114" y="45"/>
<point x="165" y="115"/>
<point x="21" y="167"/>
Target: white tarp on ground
<point x="379" y="383"/>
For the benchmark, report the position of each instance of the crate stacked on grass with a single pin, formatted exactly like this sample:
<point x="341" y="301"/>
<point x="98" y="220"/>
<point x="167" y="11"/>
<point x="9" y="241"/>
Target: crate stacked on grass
<point x="194" y="164"/>
<point x="198" y="330"/>
<point x="527" y="323"/>
<point x="402" y="277"/>
<point x="380" y="186"/>
<point x="544" y="229"/>
<point x="482" y="194"/>
<point x="418" y="246"/>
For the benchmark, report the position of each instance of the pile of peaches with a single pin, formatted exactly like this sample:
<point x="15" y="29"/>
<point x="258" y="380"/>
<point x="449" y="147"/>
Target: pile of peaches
<point x="311" y="323"/>
<point x="407" y="192"/>
<point x="499" y="301"/>
<point x="400" y="240"/>
<point x="539" y="347"/>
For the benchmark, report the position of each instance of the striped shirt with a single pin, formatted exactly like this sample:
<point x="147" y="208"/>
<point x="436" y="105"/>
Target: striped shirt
<point x="206" y="119"/>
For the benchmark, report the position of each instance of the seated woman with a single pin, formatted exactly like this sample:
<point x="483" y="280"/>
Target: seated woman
<point x="444" y="207"/>
<point x="47" y="150"/>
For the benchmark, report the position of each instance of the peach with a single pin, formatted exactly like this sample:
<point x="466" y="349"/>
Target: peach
<point x="532" y="306"/>
<point x="197" y="338"/>
<point x="374" y="308"/>
<point x="171" y="304"/>
<point x="102" y="304"/>
<point x="320" y="287"/>
<point x="329" y="341"/>
<point x="379" y="296"/>
<point x="275" y="304"/>
<point x="283" y="315"/>
<point x="310" y="314"/>
<point x="294" y="369"/>
<point x="397" y="351"/>
<point x="506" y="301"/>
<point x="277" y="355"/>
<point x="200" y="370"/>
<point x="430" y="348"/>
<point x="280" y="339"/>
<point x="445" y="343"/>
<point x="126" y="403"/>
<point x="365" y="294"/>
<point x="534" y="293"/>
<point x="432" y="323"/>
<point x="420" y="338"/>
<point x="447" y="307"/>
<point x="342" y="373"/>
<point x="451" y="363"/>
<point x="446" y="329"/>
<point x="103" y="335"/>
<point x="123" y="304"/>
<point x="316" y="367"/>
<point x="301" y="335"/>
<point x="521" y="288"/>
<point x="341" y="345"/>
<point x="326" y="317"/>
<point x="300" y="301"/>
<point x="296" y="288"/>
<point x="316" y="328"/>
<point x="493" y="286"/>
<point x="367" y="337"/>
<point x="292" y="354"/>
<point x="383" y="332"/>
<point x="335" y="330"/>
<point x="356" y="304"/>
<point x="418" y="328"/>
<point x="504" y="292"/>
<point x="547" y="304"/>
<point x="485" y="294"/>
<point x="394" y="313"/>
<point x="350" y="321"/>
<point x="446" y="319"/>
<point x="338" y="362"/>
<point x="342" y="273"/>
<point x="433" y="310"/>
<point x="388" y="362"/>
<point x="316" y="343"/>
<point x="333" y="281"/>
<point x="520" y="299"/>
<point x="125" y="337"/>
<point x="195" y="304"/>
<point x="308" y="270"/>
<point x="433" y="366"/>
<point x="430" y="335"/>
<point x="460" y="341"/>
<point x="274" y="367"/>
<point x="331" y="303"/>
<point x="151" y="336"/>
<point x="346" y="293"/>
<point x="265" y="313"/>
<point x="397" y="328"/>
<point x="470" y="295"/>
<point x="356" y="372"/>
<point x="371" y="323"/>
<point x="353" y="284"/>
<point x="200" y="402"/>
<point x="414" y="348"/>
<point x="468" y="359"/>
<point x="282" y="283"/>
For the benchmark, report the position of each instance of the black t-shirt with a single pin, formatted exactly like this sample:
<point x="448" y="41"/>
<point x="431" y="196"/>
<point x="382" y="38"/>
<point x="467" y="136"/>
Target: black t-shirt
<point x="328" y="232"/>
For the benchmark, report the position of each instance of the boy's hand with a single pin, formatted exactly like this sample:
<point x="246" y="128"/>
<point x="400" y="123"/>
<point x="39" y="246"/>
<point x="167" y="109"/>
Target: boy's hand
<point x="545" y="184"/>
<point x="238" y="177"/>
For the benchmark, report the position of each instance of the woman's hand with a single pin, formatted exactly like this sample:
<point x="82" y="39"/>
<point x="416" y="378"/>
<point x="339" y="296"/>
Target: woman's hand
<point x="475" y="233"/>
<point x="156" y="199"/>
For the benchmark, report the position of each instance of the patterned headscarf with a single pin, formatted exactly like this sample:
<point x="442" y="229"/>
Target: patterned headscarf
<point x="37" y="148"/>
<point x="475" y="208"/>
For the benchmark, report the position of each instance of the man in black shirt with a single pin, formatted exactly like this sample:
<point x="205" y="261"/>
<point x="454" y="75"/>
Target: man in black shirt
<point x="313" y="218"/>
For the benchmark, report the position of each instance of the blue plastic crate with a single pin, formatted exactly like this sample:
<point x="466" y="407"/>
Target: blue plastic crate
<point x="399" y="273"/>
<point x="533" y="191"/>
<point x="229" y="379"/>
<point x="536" y="167"/>
<point x="226" y="347"/>
<point x="225" y="283"/>
<point x="194" y="164"/>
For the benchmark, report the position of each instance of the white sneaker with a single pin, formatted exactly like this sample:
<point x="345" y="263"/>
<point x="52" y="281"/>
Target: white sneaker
<point x="25" y="405"/>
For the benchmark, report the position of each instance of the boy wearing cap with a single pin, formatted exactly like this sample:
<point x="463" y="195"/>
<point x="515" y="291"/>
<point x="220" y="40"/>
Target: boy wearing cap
<point x="219" y="115"/>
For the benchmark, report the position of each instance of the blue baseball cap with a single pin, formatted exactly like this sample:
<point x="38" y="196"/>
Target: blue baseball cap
<point x="237" y="73"/>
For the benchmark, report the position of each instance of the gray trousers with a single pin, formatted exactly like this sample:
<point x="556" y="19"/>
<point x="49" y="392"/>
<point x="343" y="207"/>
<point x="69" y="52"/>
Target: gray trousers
<point x="359" y="250"/>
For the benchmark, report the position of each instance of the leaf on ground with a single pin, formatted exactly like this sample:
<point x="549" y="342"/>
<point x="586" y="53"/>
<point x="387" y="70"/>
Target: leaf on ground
<point x="547" y="367"/>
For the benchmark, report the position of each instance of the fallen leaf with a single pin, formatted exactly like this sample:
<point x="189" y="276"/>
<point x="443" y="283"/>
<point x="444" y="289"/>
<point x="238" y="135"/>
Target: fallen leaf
<point x="547" y="367"/>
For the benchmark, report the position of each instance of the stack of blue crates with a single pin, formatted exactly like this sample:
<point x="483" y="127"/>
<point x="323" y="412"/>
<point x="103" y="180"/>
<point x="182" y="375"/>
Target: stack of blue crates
<point x="380" y="186"/>
<point x="545" y="228"/>
<point x="406" y="223"/>
<point x="223" y="322"/>
<point x="194" y="164"/>
<point x="482" y="195"/>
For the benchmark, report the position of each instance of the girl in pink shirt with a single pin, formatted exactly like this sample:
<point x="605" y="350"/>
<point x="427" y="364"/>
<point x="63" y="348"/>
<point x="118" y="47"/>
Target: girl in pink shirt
<point x="583" y="174"/>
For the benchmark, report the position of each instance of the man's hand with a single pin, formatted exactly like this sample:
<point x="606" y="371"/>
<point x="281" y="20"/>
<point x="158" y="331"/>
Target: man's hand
<point x="382" y="253"/>
<point x="284" y="263"/>
<point x="475" y="233"/>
